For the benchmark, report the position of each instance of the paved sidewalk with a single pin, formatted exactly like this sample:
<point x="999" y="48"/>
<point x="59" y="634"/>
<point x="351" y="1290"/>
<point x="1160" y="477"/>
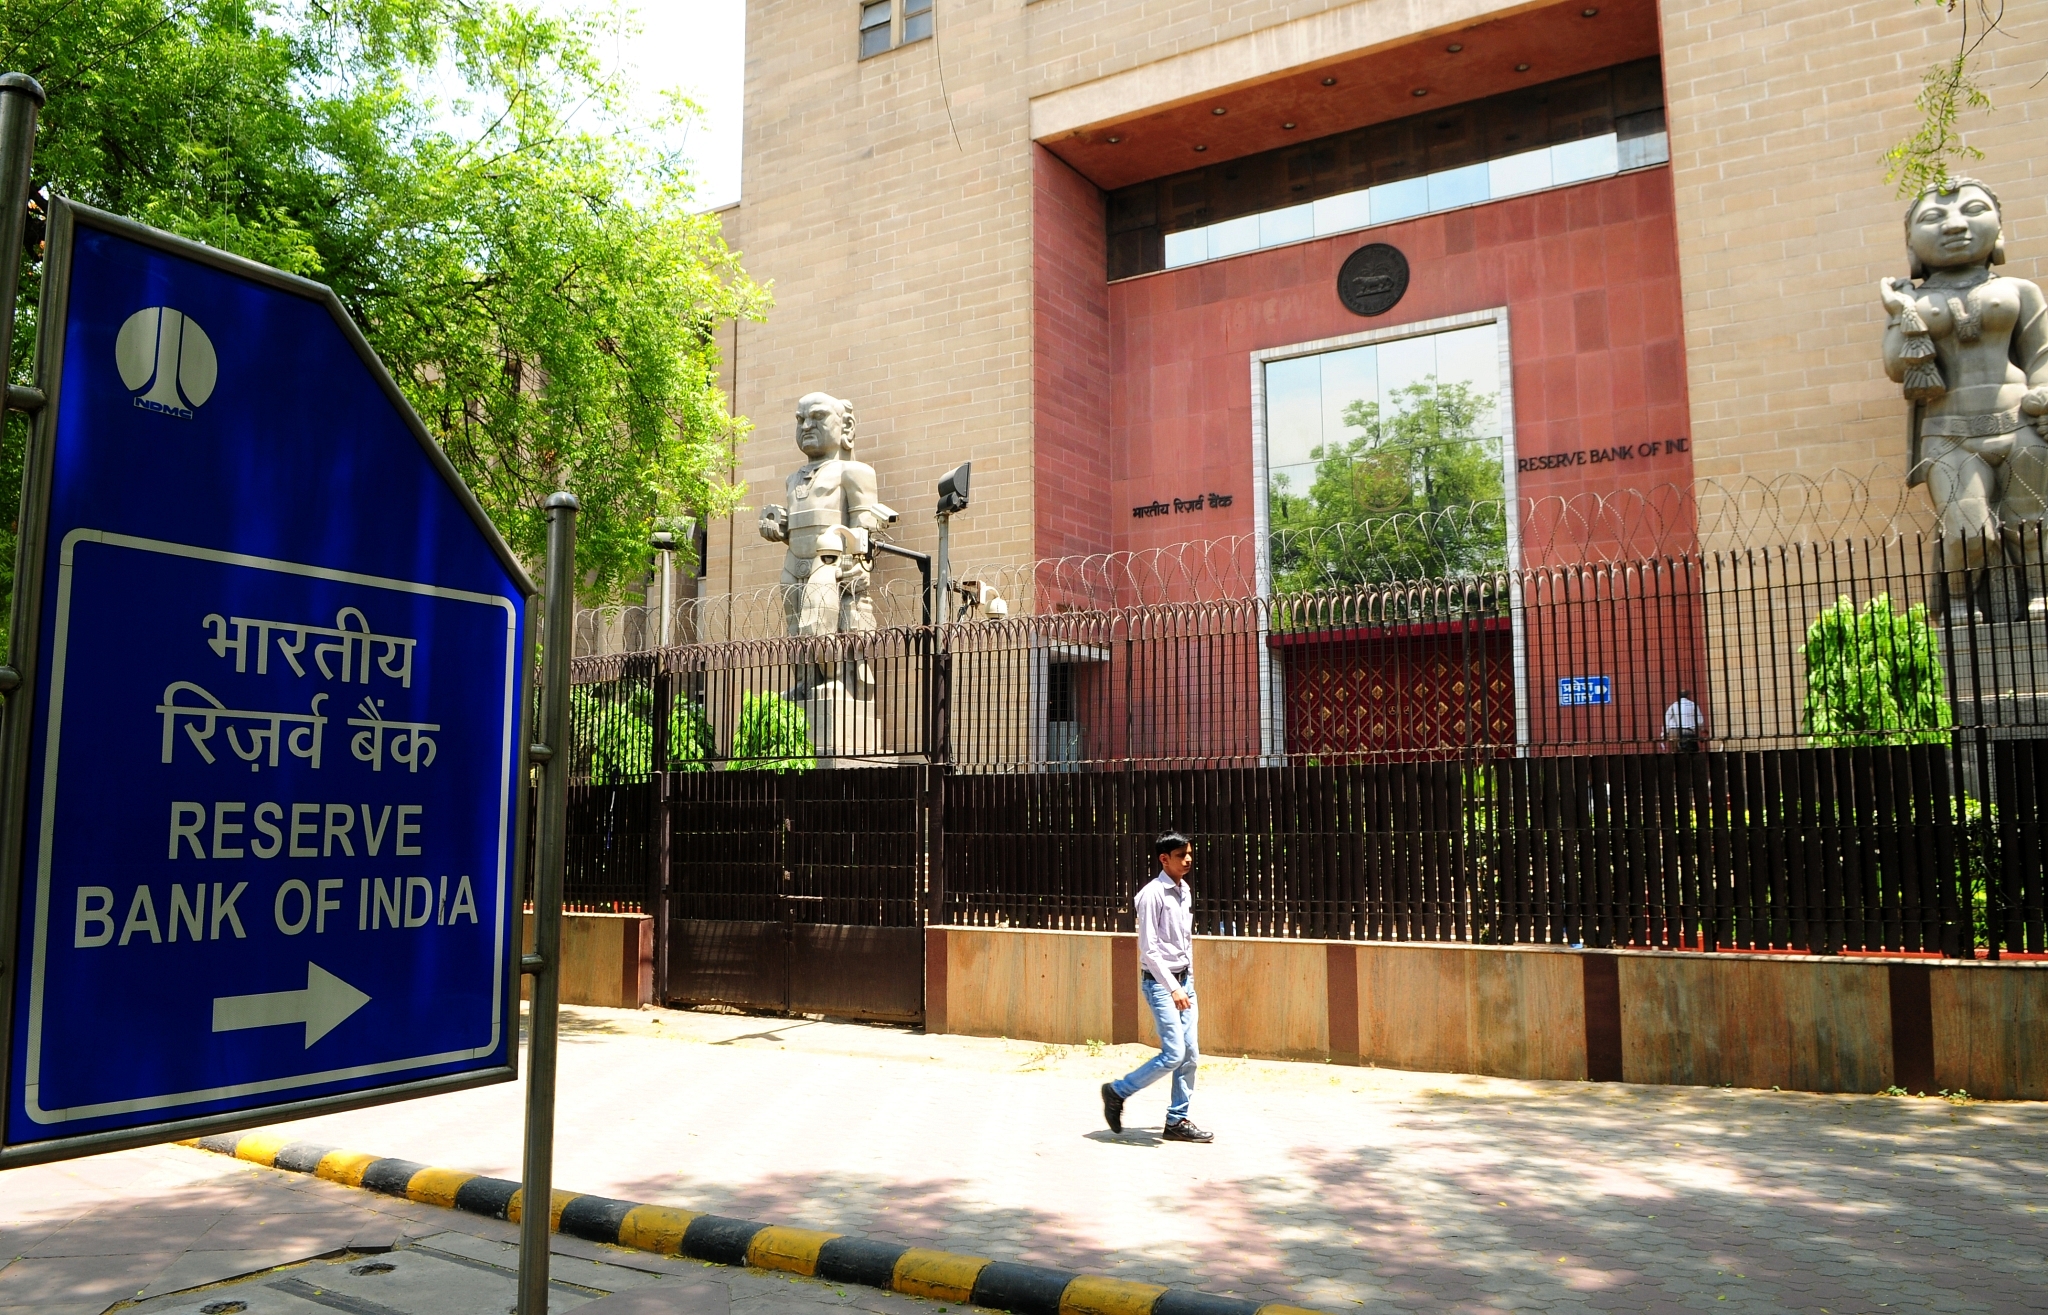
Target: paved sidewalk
<point x="1327" y="1187"/>
<point x="136" y="1226"/>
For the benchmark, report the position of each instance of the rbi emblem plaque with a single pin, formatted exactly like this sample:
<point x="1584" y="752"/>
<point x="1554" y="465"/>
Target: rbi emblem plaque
<point x="1373" y="279"/>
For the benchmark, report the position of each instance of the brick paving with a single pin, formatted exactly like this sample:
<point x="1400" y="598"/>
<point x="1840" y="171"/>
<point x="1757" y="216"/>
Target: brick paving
<point x="1329" y="1187"/>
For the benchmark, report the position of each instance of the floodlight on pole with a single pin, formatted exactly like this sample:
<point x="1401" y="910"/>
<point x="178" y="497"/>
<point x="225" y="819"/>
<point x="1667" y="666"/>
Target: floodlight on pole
<point x="953" y="488"/>
<point x="952" y="499"/>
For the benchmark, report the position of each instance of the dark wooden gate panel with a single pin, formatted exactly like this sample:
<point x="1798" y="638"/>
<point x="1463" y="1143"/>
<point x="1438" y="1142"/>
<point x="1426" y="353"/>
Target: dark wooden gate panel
<point x="857" y="972"/>
<point x="711" y="961"/>
<point x="799" y="891"/>
<point x="803" y="968"/>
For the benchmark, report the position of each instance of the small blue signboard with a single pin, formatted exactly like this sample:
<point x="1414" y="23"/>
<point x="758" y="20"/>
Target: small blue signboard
<point x="274" y="793"/>
<point x="1576" y="691"/>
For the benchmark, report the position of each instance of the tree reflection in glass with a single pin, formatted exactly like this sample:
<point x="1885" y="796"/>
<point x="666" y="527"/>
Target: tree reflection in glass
<point x="1386" y="463"/>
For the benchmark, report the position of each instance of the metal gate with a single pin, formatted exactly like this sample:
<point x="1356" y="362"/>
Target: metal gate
<point x="798" y="891"/>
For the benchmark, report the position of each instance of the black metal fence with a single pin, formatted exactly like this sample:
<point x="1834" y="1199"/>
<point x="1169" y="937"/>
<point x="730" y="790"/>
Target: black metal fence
<point x="845" y="848"/>
<point x="1824" y="749"/>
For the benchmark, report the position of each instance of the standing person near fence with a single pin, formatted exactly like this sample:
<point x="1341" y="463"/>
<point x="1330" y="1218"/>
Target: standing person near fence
<point x="1164" y="909"/>
<point x="1682" y="724"/>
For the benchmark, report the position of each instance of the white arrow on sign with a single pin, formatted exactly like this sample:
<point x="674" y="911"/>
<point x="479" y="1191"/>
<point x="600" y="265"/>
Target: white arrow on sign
<point x="322" y="1006"/>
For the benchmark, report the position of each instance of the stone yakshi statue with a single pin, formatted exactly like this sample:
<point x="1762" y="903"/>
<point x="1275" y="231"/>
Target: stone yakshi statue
<point x="1970" y="348"/>
<point x="833" y="510"/>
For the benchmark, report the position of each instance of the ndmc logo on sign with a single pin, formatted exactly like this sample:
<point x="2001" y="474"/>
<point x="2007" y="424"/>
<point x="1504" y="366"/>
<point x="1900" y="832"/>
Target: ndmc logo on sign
<point x="273" y="771"/>
<point x="167" y="360"/>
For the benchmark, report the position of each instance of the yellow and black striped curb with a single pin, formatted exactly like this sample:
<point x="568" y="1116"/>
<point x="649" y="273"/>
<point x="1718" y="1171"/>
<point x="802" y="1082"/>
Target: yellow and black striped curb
<point x="668" y="1231"/>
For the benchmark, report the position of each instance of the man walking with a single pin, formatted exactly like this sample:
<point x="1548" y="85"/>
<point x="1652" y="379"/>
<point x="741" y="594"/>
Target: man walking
<point x="1164" y="909"/>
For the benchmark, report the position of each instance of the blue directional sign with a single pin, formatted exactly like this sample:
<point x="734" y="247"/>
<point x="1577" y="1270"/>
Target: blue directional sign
<point x="275" y="773"/>
<point x="1578" y="691"/>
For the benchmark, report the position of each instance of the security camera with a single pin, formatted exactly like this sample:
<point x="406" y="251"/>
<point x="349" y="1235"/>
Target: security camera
<point x="981" y="595"/>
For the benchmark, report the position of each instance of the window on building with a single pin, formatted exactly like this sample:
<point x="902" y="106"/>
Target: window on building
<point x="1385" y="461"/>
<point x="917" y="20"/>
<point x="874" y="27"/>
<point x="1556" y="134"/>
<point x="877" y="22"/>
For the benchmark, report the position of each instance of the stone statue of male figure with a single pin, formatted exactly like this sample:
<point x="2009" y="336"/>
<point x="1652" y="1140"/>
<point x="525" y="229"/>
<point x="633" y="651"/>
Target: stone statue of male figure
<point x="832" y="511"/>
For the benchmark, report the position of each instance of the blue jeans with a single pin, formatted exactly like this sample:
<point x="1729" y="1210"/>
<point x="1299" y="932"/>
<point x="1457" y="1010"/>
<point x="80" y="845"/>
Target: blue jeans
<point x="1179" y="1050"/>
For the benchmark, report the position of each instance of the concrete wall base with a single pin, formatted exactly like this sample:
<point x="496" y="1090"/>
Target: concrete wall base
<point x="607" y="959"/>
<point x="1747" y="1020"/>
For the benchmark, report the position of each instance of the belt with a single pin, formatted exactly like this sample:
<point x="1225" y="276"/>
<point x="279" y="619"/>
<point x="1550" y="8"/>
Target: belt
<point x="1181" y="977"/>
<point x="1969" y="426"/>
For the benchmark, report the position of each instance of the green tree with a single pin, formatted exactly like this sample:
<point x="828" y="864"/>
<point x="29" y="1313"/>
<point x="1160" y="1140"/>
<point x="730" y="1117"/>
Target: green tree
<point x="1417" y="494"/>
<point x="774" y="735"/>
<point x="614" y="739"/>
<point x="462" y="173"/>
<point x="1873" y="676"/>
<point x="1947" y="89"/>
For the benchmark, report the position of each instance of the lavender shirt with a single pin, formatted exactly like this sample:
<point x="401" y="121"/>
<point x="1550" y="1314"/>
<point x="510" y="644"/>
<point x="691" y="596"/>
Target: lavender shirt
<point x="1165" y="914"/>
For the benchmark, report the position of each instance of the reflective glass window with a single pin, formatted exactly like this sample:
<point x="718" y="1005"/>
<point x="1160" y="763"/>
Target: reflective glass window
<point x="1515" y="174"/>
<point x="917" y="20"/>
<point x="1342" y="213"/>
<point x="1293" y="224"/>
<point x="1233" y="236"/>
<point x="1575" y="162"/>
<point x="874" y="27"/>
<point x="1402" y="200"/>
<point x="1455" y="187"/>
<point x="1384" y="462"/>
<point x="1190" y="246"/>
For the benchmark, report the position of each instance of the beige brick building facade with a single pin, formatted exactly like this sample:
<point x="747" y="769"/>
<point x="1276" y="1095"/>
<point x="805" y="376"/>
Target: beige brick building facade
<point x="1779" y="114"/>
<point x="898" y="206"/>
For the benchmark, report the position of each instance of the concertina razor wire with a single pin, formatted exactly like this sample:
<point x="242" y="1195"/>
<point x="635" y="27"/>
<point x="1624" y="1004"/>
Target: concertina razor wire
<point x="1712" y="515"/>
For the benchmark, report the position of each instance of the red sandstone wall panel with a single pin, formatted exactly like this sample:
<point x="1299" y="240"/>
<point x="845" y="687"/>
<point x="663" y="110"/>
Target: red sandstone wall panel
<point x="1641" y="628"/>
<point x="1589" y="275"/>
<point x="1070" y="363"/>
<point x="1590" y="278"/>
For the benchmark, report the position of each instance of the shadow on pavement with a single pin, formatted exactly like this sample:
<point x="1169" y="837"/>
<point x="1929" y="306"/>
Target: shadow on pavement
<point x="1617" y="1197"/>
<point x="127" y="1244"/>
<point x="772" y="1034"/>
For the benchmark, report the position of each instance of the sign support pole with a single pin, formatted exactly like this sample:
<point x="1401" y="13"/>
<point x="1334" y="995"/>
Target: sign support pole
<point x="536" y="1212"/>
<point x="941" y="588"/>
<point x="21" y="100"/>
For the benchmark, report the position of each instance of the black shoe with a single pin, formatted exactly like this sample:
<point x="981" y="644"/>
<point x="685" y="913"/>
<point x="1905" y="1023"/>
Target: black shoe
<point x="1112" y="1108"/>
<point x="1185" y="1130"/>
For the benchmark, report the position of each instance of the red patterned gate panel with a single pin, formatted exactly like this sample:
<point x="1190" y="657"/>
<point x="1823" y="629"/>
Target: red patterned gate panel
<point x="1416" y="691"/>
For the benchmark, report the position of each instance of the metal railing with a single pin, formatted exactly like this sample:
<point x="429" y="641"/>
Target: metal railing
<point x="1816" y="746"/>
